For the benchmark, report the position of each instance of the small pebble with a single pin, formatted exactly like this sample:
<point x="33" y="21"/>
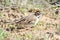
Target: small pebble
<point x="7" y="29"/>
<point x="57" y="11"/>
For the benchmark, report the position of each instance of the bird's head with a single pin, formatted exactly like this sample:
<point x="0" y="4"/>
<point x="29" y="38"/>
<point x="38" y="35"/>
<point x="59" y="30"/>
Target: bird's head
<point x="38" y="13"/>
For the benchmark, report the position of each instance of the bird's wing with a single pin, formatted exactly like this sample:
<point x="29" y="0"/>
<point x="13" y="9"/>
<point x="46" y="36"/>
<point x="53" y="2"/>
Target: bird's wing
<point x="27" y="20"/>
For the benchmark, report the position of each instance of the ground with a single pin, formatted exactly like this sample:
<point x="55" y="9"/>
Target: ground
<point x="48" y="28"/>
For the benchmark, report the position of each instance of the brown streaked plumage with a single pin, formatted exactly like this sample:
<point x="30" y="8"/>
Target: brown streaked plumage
<point x="30" y="20"/>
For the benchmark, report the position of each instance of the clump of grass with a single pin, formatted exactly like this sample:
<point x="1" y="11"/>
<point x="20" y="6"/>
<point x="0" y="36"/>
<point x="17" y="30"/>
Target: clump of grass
<point x="28" y="36"/>
<point x="58" y="27"/>
<point x="23" y="9"/>
<point x="0" y="14"/>
<point x="40" y="6"/>
<point x="7" y="2"/>
<point x="3" y="34"/>
<point x="17" y="37"/>
<point x="40" y="23"/>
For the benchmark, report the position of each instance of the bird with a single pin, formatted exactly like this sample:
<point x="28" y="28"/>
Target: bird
<point x="30" y="20"/>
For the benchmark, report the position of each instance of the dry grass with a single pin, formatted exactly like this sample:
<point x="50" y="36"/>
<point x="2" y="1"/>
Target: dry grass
<point x="46" y="28"/>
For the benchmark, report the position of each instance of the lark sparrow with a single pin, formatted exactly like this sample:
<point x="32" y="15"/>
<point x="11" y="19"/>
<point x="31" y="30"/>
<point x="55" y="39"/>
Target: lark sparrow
<point x="30" y="20"/>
